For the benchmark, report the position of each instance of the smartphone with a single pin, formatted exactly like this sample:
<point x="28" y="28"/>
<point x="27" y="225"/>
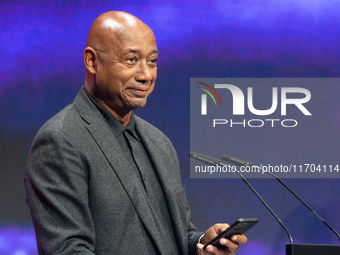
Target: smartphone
<point x="238" y="227"/>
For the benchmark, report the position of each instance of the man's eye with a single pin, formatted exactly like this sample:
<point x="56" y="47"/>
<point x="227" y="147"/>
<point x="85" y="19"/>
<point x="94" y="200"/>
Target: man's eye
<point x="132" y="59"/>
<point x="153" y="60"/>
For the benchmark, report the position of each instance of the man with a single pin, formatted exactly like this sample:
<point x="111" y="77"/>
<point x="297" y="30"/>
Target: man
<point x="100" y="180"/>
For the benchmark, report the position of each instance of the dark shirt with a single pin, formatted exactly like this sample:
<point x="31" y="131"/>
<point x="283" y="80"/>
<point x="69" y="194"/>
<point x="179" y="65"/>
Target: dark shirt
<point x="132" y="146"/>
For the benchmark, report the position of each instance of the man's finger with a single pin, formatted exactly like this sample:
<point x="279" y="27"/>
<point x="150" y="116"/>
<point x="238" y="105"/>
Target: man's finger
<point x="241" y="239"/>
<point x="229" y="245"/>
<point x="210" y="249"/>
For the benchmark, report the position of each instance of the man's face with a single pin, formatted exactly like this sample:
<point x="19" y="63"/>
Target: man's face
<point x="127" y="70"/>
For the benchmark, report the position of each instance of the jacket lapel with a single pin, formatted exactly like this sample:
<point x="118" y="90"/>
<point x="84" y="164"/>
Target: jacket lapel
<point x="167" y="169"/>
<point x="101" y="133"/>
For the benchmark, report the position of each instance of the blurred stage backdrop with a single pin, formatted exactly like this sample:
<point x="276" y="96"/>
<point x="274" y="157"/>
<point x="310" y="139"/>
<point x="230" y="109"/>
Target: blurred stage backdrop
<point x="42" y="70"/>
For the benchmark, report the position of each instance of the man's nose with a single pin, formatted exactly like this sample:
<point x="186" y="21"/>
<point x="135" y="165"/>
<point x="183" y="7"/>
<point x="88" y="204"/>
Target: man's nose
<point x="144" y="73"/>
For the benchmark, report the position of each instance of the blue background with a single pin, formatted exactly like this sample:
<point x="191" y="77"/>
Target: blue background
<point x="41" y="71"/>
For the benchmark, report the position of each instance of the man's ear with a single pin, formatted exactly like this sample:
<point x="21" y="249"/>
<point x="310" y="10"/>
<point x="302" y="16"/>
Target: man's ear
<point x="90" y="60"/>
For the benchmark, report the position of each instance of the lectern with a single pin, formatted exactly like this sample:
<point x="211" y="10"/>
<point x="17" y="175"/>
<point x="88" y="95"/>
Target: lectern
<point x="312" y="249"/>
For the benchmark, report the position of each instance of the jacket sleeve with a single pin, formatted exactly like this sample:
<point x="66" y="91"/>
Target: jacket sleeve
<point x="56" y="187"/>
<point x="193" y="238"/>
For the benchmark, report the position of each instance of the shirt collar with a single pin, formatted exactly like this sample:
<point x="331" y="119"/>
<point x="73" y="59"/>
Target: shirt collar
<point x="115" y="126"/>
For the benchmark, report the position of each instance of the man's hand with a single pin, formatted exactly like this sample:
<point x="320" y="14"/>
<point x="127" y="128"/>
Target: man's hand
<point x="231" y="246"/>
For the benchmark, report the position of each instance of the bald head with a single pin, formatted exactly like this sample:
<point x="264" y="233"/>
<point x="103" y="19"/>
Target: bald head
<point x="120" y="62"/>
<point x="113" y="25"/>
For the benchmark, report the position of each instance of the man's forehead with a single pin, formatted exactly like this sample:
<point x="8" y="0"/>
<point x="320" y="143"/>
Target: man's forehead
<point x="135" y="39"/>
<point x="137" y="51"/>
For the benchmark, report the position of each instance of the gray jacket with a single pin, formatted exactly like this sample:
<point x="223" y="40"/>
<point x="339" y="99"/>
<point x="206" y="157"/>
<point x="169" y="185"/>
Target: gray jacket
<point x="82" y="197"/>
